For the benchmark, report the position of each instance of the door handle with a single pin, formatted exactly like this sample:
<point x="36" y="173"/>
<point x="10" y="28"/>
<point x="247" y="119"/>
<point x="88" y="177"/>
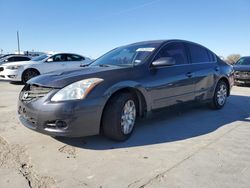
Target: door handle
<point x="189" y="74"/>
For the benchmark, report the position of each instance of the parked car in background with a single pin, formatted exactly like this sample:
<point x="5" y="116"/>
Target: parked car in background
<point x="25" y="70"/>
<point x="14" y="58"/>
<point x="4" y="55"/>
<point x="242" y="71"/>
<point x="108" y="95"/>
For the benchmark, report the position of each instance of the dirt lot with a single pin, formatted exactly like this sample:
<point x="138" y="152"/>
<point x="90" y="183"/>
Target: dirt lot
<point x="193" y="148"/>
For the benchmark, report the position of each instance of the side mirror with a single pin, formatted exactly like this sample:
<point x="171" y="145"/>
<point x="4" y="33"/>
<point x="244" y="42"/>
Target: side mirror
<point x="49" y="60"/>
<point x="164" y="61"/>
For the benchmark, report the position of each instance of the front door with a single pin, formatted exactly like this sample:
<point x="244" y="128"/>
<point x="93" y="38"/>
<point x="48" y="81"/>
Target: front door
<point x="169" y="85"/>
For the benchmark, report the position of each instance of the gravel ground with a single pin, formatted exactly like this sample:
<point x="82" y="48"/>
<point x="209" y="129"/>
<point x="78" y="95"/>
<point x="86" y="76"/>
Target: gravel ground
<point x="197" y="147"/>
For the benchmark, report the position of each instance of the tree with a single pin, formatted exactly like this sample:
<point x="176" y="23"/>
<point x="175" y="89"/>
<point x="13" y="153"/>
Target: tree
<point x="233" y="58"/>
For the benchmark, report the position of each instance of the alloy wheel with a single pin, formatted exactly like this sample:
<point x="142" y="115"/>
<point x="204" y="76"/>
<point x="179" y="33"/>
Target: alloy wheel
<point x="222" y="94"/>
<point x="128" y="117"/>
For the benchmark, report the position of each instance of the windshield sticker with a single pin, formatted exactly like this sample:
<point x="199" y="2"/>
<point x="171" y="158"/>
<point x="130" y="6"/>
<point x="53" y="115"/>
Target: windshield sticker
<point x="145" y="49"/>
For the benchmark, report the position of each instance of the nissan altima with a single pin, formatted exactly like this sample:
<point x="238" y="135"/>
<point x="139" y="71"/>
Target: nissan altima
<point x="128" y="82"/>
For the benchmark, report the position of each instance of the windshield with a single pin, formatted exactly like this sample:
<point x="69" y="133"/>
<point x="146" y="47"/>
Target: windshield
<point x="243" y="61"/>
<point x="127" y="55"/>
<point x="40" y="58"/>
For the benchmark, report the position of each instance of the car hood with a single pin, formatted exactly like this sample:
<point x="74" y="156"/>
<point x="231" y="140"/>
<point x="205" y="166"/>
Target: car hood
<point x="241" y="67"/>
<point x="61" y="79"/>
<point x="19" y="63"/>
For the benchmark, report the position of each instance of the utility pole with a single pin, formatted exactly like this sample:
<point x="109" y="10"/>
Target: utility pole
<point x="18" y="44"/>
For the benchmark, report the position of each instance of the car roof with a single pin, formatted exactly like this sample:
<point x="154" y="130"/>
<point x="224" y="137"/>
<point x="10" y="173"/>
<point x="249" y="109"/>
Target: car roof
<point x="162" y="41"/>
<point x="16" y="56"/>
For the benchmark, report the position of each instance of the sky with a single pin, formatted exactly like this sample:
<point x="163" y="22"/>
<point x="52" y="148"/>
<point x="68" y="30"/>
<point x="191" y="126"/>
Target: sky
<point x="93" y="27"/>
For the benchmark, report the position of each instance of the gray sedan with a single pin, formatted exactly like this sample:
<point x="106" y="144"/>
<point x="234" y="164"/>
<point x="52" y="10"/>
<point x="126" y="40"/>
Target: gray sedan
<point x="128" y="82"/>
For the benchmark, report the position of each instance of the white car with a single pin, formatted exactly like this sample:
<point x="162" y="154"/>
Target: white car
<point x="25" y="70"/>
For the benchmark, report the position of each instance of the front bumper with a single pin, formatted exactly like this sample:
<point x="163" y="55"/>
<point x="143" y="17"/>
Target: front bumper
<point x="80" y="118"/>
<point x="242" y="79"/>
<point x="10" y="75"/>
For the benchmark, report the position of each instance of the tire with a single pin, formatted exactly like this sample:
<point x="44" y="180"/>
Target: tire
<point x="28" y="74"/>
<point x="116" y="123"/>
<point x="220" y="95"/>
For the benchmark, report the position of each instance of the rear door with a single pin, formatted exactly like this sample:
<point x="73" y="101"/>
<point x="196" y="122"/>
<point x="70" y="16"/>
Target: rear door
<point x="170" y="85"/>
<point x="204" y="68"/>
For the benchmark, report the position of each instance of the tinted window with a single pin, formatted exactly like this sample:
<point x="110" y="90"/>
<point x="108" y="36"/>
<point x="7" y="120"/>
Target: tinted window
<point x="11" y="59"/>
<point x="243" y="61"/>
<point x="198" y="54"/>
<point x="211" y="56"/>
<point x="22" y="59"/>
<point x="174" y="50"/>
<point x="57" y="58"/>
<point x="73" y="57"/>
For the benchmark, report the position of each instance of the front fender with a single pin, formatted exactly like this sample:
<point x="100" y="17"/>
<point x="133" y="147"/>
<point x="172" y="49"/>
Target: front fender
<point x="130" y="85"/>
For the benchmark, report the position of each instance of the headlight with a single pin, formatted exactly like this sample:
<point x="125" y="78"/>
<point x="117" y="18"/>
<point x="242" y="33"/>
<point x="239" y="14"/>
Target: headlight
<point x="77" y="90"/>
<point x="13" y="67"/>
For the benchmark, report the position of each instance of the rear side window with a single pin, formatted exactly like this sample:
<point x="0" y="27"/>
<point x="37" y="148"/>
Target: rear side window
<point x="211" y="56"/>
<point x="73" y="57"/>
<point x="198" y="54"/>
<point x="176" y="51"/>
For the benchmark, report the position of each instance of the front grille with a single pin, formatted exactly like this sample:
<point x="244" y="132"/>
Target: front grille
<point x="1" y="69"/>
<point x="242" y="73"/>
<point x="33" y="92"/>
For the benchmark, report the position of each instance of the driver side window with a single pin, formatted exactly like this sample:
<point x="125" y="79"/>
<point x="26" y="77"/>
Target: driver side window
<point x="57" y="58"/>
<point x="176" y="51"/>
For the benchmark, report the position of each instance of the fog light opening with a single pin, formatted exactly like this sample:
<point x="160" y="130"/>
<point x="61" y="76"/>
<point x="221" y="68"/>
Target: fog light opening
<point x="58" y="124"/>
<point x="12" y="76"/>
<point x="61" y="124"/>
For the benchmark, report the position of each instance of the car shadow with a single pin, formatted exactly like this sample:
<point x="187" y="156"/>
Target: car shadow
<point x="16" y="83"/>
<point x="170" y="126"/>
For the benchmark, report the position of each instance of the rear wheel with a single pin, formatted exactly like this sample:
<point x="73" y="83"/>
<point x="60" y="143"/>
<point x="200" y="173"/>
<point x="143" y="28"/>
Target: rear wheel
<point x="119" y="117"/>
<point x="220" y="95"/>
<point x="28" y="74"/>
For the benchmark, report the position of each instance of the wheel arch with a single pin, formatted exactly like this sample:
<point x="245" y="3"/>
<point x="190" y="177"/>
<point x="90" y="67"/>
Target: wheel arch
<point x="137" y="93"/>
<point x="27" y="69"/>
<point x="140" y="97"/>
<point x="226" y="80"/>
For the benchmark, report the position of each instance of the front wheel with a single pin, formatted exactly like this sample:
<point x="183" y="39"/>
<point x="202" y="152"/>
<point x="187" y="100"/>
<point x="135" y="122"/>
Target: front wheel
<point x="28" y="74"/>
<point x="119" y="117"/>
<point x="220" y="95"/>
